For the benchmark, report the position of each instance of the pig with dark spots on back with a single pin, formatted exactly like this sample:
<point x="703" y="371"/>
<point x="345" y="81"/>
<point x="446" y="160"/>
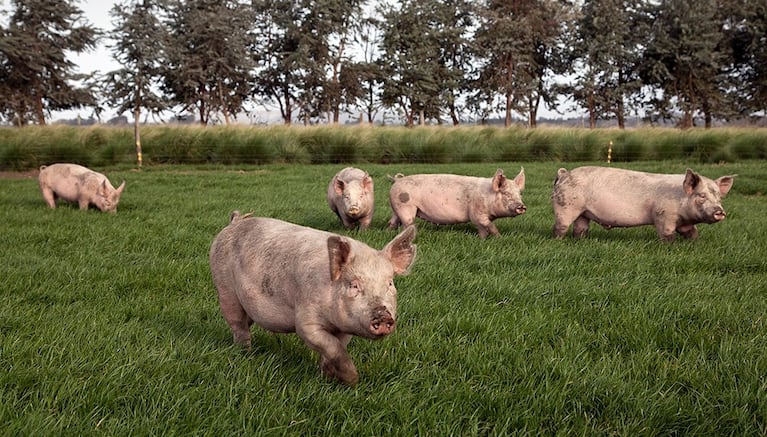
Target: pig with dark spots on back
<point x="324" y="287"/>
<point x="350" y="196"/>
<point x="450" y="199"/>
<point x="612" y="197"/>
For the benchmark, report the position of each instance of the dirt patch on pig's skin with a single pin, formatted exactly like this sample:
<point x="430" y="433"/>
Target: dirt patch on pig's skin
<point x="404" y="197"/>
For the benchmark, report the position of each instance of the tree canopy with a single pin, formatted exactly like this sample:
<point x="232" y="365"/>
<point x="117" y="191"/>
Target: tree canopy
<point x="427" y="61"/>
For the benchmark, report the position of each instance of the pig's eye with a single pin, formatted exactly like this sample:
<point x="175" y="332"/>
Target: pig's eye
<point x="354" y="288"/>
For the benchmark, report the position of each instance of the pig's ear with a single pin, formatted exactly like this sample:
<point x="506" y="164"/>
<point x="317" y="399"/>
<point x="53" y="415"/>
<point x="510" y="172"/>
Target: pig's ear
<point x="401" y="251"/>
<point x="338" y="185"/>
<point x="725" y="183"/>
<point x="120" y="188"/>
<point x="691" y="180"/>
<point x="103" y="190"/>
<point x="367" y="182"/>
<point x="520" y="179"/>
<point x="498" y="180"/>
<point x="339" y="253"/>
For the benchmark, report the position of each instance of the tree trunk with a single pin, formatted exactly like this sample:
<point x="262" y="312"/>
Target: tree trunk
<point x="507" y="121"/>
<point x="40" y="111"/>
<point x="619" y="114"/>
<point x="222" y="103"/>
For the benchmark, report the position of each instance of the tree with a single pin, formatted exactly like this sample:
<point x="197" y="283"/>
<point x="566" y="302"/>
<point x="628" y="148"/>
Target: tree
<point x="361" y="81"/>
<point x="276" y="55"/>
<point x="36" y="77"/>
<point x="207" y="64"/>
<point x="424" y="57"/>
<point x="328" y="29"/>
<point x="515" y="43"/>
<point x="605" y="58"/>
<point x="139" y="40"/>
<point x="682" y="60"/>
<point x="744" y="26"/>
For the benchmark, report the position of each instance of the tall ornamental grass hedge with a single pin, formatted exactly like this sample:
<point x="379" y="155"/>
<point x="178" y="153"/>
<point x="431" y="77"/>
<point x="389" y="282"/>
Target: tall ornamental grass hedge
<point x="30" y="147"/>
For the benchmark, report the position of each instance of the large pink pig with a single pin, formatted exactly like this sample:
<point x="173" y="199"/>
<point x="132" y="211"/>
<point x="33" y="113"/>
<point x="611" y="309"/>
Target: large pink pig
<point x="322" y="286"/>
<point x="350" y="196"/>
<point x="613" y="197"/>
<point x="449" y="199"/>
<point x="75" y="183"/>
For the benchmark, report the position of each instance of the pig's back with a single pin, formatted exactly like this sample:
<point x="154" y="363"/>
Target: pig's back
<point x="625" y="182"/>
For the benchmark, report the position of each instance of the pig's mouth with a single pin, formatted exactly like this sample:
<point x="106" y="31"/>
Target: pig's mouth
<point x="382" y="323"/>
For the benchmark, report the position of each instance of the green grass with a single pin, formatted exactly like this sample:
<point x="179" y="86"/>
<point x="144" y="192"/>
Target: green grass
<point x="109" y="324"/>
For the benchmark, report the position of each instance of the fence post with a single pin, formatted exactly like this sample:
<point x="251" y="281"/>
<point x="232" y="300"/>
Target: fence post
<point x="610" y="152"/>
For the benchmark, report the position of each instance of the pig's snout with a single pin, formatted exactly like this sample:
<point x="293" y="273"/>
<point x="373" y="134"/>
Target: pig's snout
<point x="719" y="214"/>
<point x="520" y="209"/>
<point x="382" y="322"/>
<point x="354" y="210"/>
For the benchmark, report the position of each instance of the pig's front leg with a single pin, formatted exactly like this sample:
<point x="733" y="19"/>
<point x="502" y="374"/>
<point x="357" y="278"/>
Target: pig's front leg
<point x="688" y="231"/>
<point x="335" y="361"/>
<point x="484" y="225"/>
<point x="666" y="231"/>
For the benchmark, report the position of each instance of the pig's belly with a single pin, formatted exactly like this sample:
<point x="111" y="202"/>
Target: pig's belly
<point x="617" y="218"/>
<point x="270" y="316"/>
<point x="441" y="217"/>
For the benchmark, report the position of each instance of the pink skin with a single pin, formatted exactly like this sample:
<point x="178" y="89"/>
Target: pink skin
<point x="75" y="183"/>
<point x="324" y="287"/>
<point x="350" y="196"/>
<point x="615" y="197"/>
<point x="450" y="199"/>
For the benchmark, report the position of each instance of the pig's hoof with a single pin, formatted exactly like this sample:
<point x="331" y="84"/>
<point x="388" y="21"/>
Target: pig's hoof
<point x="345" y="372"/>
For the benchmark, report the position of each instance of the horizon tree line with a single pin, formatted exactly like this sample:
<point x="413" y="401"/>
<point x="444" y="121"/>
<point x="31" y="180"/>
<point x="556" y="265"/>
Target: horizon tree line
<point x="436" y="61"/>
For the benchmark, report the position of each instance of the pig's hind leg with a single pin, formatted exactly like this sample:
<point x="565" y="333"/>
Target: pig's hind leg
<point x="562" y="221"/>
<point x="49" y="196"/>
<point x="236" y="317"/>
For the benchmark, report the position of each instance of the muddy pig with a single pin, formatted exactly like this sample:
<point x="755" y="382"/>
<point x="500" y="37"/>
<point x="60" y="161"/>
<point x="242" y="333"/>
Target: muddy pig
<point x="350" y="196"/>
<point x="614" y="197"/>
<point x="449" y="199"/>
<point x="322" y="286"/>
<point x="75" y="183"/>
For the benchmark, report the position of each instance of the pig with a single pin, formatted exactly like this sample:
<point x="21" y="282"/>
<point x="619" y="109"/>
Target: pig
<point x="613" y="197"/>
<point x="450" y="199"/>
<point x="350" y="196"/>
<point x="324" y="287"/>
<point x="75" y="183"/>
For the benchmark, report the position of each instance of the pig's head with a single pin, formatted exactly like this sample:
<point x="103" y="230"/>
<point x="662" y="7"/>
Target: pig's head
<point x="356" y="195"/>
<point x="107" y="197"/>
<point x="508" y="194"/>
<point x="705" y="196"/>
<point x="363" y="282"/>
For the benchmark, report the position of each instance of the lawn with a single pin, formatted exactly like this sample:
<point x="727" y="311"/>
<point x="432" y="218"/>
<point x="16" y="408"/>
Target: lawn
<point x="109" y="324"/>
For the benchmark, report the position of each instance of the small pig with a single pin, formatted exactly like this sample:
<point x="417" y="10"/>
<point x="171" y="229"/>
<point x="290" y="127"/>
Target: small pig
<point x="75" y="183"/>
<point x="615" y="197"/>
<point x="350" y="196"/>
<point x="322" y="286"/>
<point x="449" y="199"/>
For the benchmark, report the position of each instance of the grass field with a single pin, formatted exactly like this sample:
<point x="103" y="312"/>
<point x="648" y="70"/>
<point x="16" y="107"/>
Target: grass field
<point x="109" y="324"/>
